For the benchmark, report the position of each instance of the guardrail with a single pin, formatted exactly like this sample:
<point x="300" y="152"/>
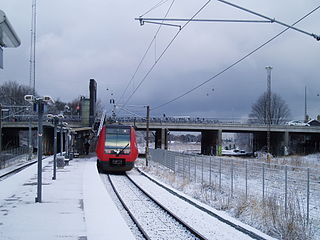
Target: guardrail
<point x="248" y="178"/>
<point x="197" y="120"/>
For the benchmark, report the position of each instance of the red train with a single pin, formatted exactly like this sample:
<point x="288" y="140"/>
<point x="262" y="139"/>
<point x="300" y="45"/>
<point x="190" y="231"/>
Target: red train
<point x="116" y="149"/>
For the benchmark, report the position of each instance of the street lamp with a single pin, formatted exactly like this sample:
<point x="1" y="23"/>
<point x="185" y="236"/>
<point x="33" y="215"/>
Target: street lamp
<point x="55" y="120"/>
<point x="38" y="104"/>
<point x="8" y="37"/>
<point x="65" y="125"/>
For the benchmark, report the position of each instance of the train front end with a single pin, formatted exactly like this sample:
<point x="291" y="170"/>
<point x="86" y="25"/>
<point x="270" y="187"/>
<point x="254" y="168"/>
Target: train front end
<point x="116" y="149"/>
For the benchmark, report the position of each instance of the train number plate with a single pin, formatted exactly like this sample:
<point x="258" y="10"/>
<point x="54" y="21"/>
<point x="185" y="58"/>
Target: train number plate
<point x="117" y="161"/>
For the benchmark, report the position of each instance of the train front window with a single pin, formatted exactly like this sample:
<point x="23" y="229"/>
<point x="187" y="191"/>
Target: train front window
<point x="117" y="141"/>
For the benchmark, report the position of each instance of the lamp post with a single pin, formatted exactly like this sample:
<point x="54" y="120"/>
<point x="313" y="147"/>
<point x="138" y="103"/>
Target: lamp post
<point x="55" y="120"/>
<point x="38" y="103"/>
<point x="64" y="124"/>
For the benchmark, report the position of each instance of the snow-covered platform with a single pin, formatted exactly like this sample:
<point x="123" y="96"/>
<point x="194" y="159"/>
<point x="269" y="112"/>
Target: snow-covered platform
<point x="74" y="206"/>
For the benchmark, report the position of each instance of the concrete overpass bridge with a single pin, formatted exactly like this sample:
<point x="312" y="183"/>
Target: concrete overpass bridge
<point x="297" y="139"/>
<point x="13" y="132"/>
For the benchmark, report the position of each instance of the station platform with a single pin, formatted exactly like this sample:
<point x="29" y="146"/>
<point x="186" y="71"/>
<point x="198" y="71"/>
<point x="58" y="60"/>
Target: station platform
<point x="74" y="206"/>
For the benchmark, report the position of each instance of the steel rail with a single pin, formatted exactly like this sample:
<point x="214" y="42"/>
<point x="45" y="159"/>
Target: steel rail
<point x="187" y="226"/>
<point x="136" y="222"/>
<point x="16" y="170"/>
<point x="237" y="227"/>
<point x="170" y="213"/>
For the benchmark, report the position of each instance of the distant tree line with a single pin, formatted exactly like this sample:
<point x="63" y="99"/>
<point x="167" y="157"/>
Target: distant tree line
<point x="12" y="94"/>
<point x="185" y="138"/>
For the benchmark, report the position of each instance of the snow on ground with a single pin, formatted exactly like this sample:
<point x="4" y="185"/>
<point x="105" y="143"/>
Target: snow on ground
<point x="74" y="206"/>
<point x="205" y="224"/>
<point x="251" y="211"/>
<point x="103" y="219"/>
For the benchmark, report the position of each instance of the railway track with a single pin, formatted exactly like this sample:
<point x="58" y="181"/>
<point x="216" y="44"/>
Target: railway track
<point x="18" y="169"/>
<point x="152" y="219"/>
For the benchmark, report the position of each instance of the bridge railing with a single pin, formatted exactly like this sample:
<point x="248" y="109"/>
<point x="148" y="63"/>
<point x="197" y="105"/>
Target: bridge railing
<point x="195" y="120"/>
<point x="247" y="179"/>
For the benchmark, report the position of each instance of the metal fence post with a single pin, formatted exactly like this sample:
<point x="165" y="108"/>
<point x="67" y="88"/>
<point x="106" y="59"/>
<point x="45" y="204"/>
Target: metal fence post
<point x="220" y="175"/>
<point x="246" y="180"/>
<point x="285" y="190"/>
<point x="263" y="182"/>
<point x="231" y="179"/>
<point x="189" y="168"/>
<point x="202" y="171"/>
<point x="210" y="178"/>
<point x="195" y="169"/>
<point x="183" y="167"/>
<point x="308" y="195"/>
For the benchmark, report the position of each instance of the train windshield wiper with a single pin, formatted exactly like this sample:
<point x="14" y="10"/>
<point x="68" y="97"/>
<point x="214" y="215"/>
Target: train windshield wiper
<point x="122" y="149"/>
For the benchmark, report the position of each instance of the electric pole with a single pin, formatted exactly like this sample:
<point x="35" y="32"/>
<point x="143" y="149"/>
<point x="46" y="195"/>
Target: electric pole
<point x="268" y="109"/>
<point x="305" y="105"/>
<point x="147" y="137"/>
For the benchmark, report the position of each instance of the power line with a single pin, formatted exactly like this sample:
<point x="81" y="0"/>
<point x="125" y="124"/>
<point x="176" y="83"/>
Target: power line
<point x="145" y="54"/>
<point x="164" y="51"/>
<point x="235" y="63"/>
<point x="128" y="111"/>
<point x="156" y="6"/>
<point x="270" y="19"/>
<point x="150" y="20"/>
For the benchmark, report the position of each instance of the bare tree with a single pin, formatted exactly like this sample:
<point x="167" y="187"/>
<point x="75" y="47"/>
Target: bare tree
<point x="279" y="110"/>
<point x="12" y="93"/>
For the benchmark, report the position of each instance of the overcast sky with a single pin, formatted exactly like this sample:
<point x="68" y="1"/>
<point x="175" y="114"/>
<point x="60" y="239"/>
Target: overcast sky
<point x="81" y="39"/>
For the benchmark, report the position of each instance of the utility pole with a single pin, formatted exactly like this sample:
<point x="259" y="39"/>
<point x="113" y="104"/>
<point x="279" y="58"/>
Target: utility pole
<point x="55" y="122"/>
<point x="30" y="149"/>
<point x="32" y="69"/>
<point x="305" y="104"/>
<point x="268" y="109"/>
<point x="61" y="138"/>
<point x="40" y="108"/>
<point x="147" y="137"/>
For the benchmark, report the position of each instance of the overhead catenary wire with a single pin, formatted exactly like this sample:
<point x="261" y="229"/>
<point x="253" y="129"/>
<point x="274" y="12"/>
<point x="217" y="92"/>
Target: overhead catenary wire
<point x="269" y="20"/>
<point x="235" y="63"/>
<point x="151" y="20"/>
<point x="317" y="37"/>
<point x="132" y="113"/>
<point x="145" y="54"/>
<point x="164" y="51"/>
<point x="156" y="6"/>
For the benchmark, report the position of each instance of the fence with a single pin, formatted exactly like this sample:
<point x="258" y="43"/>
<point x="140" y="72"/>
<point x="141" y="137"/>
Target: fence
<point x="248" y="178"/>
<point x="10" y="157"/>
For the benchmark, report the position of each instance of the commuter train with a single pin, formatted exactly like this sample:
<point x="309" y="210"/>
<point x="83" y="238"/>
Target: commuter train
<point x="116" y="148"/>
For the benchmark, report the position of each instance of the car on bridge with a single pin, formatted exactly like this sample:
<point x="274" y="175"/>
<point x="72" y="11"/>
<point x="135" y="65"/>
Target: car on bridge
<point x="297" y="123"/>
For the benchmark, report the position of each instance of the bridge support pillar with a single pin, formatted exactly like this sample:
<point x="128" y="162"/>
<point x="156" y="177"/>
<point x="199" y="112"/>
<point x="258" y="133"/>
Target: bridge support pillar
<point x="161" y="138"/>
<point x="211" y="142"/>
<point x="286" y="143"/>
<point x="47" y="141"/>
<point x="157" y="139"/>
<point x="279" y="143"/>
